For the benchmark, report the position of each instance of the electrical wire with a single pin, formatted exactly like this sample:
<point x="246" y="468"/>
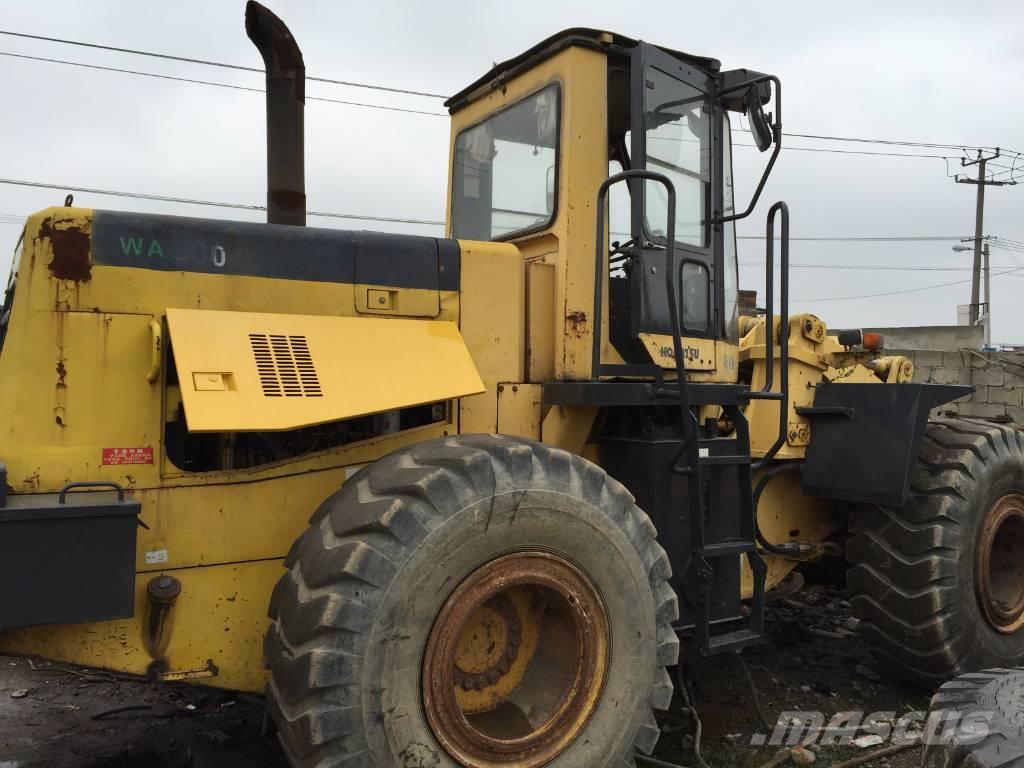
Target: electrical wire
<point x="230" y="86"/>
<point x="207" y="63"/>
<point x="863" y="238"/>
<point x="890" y="142"/>
<point x="1008" y="245"/>
<point x="788" y="148"/>
<point x="213" y="203"/>
<point x="1014" y="272"/>
<point x="16" y="219"/>
<point x="863" y="267"/>
<point x="389" y="89"/>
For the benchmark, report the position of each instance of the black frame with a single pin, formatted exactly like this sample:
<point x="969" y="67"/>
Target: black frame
<point x="515" y="235"/>
<point x="710" y="255"/>
<point x="7" y="305"/>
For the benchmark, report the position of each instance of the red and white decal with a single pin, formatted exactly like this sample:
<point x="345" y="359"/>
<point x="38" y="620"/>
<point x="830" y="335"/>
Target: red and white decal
<point x="128" y="455"/>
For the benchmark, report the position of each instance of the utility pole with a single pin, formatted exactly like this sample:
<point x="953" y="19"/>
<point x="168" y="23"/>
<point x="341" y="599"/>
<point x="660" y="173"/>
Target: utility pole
<point x="979" y="218"/>
<point x="988" y="299"/>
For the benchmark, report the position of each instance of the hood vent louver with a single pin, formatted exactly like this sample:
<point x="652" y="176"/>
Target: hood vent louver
<point x="285" y="365"/>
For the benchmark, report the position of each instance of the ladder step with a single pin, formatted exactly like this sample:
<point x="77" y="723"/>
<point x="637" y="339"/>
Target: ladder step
<point x="726" y="548"/>
<point x="713" y="460"/>
<point x="731" y="640"/>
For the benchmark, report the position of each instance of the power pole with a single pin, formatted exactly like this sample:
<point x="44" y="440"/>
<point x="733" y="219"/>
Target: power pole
<point x="979" y="218"/>
<point x="988" y="301"/>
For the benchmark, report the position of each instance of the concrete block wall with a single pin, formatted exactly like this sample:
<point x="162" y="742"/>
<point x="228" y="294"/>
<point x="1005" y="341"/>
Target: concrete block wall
<point x="997" y="378"/>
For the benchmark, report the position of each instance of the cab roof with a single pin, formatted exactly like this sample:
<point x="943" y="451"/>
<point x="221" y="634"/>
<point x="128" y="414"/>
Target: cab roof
<point x="583" y="37"/>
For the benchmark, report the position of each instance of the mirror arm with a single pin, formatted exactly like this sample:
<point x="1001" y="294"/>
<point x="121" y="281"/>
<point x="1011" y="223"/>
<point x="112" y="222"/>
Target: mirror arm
<point x="777" y="133"/>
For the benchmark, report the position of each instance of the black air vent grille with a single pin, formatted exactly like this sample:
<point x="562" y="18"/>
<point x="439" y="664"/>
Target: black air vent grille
<point x="285" y="365"/>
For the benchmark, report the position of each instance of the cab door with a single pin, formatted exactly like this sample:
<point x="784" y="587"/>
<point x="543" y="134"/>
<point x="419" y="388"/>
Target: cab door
<point x="673" y="133"/>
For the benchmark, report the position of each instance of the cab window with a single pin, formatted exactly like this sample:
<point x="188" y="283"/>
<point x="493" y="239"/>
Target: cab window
<point x="505" y="175"/>
<point x="678" y="141"/>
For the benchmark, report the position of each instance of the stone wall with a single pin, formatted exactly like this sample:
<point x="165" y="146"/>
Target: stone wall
<point x="997" y="378"/>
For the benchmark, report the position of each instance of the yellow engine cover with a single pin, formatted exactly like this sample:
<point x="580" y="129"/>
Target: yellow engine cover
<point x="249" y="371"/>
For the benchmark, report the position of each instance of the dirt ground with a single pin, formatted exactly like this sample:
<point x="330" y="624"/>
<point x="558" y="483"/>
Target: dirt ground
<point x="55" y="716"/>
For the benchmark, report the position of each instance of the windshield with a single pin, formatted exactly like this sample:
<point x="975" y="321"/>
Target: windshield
<point x="505" y="173"/>
<point x="678" y="142"/>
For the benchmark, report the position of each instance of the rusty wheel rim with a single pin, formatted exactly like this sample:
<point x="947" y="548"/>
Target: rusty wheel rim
<point x="516" y="662"/>
<point x="1000" y="564"/>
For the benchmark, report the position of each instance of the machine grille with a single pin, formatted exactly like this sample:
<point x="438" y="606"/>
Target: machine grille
<point x="285" y="365"/>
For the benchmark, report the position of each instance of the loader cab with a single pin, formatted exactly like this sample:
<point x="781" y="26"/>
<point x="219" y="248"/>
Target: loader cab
<point x="533" y="140"/>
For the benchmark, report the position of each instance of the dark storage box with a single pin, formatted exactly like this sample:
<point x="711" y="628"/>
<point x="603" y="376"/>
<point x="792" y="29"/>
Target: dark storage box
<point x="67" y="562"/>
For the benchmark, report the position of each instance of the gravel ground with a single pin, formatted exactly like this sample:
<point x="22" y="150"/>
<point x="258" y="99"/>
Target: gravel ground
<point x="61" y="717"/>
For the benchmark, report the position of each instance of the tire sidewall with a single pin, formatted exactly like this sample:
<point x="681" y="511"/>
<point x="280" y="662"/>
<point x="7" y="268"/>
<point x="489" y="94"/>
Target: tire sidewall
<point x="1002" y="476"/>
<point x="545" y="520"/>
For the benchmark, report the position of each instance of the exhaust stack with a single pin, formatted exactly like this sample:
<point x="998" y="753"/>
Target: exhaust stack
<point x="286" y="100"/>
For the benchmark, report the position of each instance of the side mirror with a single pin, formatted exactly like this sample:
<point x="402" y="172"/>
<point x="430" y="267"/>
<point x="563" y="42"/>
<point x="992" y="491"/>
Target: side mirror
<point x="759" y="125"/>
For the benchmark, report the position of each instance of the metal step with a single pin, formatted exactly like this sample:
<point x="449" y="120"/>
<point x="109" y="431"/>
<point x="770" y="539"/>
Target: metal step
<point x="717" y="460"/>
<point x="726" y="548"/>
<point x="730" y="641"/>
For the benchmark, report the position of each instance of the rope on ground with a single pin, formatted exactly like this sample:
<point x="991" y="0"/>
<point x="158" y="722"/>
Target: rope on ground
<point x="121" y="710"/>
<point x="698" y="727"/>
<point x="755" y="698"/>
<point x="877" y="754"/>
<point x="645" y="760"/>
<point x="780" y="757"/>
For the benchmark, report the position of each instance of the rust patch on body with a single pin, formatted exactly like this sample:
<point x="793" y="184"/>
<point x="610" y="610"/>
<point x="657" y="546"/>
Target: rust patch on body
<point x="577" y="323"/>
<point x="31" y="483"/>
<point x="70" y="250"/>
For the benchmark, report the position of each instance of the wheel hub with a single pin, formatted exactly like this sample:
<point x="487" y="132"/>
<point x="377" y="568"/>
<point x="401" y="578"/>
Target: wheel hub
<point x="516" y="662"/>
<point x="1000" y="564"/>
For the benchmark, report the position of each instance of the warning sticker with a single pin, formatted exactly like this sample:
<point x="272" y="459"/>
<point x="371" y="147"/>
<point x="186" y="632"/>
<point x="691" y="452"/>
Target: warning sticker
<point x="128" y="455"/>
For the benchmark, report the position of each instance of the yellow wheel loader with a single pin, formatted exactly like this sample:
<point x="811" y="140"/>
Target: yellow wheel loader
<point x="492" y="486"/>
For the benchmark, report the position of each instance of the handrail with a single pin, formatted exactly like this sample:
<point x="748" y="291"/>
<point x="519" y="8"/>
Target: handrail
<point x="766" y="393"/>
<point x="599" y="268"/>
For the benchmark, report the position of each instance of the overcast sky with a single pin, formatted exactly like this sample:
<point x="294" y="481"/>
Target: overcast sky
<point x="943" y="72"/>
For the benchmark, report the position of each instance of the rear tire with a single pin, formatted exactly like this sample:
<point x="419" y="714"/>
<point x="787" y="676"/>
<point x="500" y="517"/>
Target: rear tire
<point x="355" y="614"/>
<point x="931" y="605"/>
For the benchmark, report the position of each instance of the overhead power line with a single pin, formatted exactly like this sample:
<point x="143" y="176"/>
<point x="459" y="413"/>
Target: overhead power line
<point x="890" y="142"/>
<point x="1015" y="272"/>
<point x="865" y="267"/>
<point x="232" y="86"/>
<point x="212" y="203"/>
<point x="427" y="222"/>
<point x="428" y="94"/>
<point x="207" y="63"/>
<point x="862" y="239"/>
<point x="215" y="84"/>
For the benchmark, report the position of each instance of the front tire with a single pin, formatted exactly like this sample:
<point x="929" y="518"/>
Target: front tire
<point x="473" y="601"/>
<point x="977" y="722"/>
<point x="939" y="584"/>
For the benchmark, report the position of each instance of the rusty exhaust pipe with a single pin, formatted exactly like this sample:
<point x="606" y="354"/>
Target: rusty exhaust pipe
<point x="286" y="100"/>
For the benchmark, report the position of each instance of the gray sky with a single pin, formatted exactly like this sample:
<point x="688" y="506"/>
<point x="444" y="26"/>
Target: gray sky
<point x="944" y="72"/>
